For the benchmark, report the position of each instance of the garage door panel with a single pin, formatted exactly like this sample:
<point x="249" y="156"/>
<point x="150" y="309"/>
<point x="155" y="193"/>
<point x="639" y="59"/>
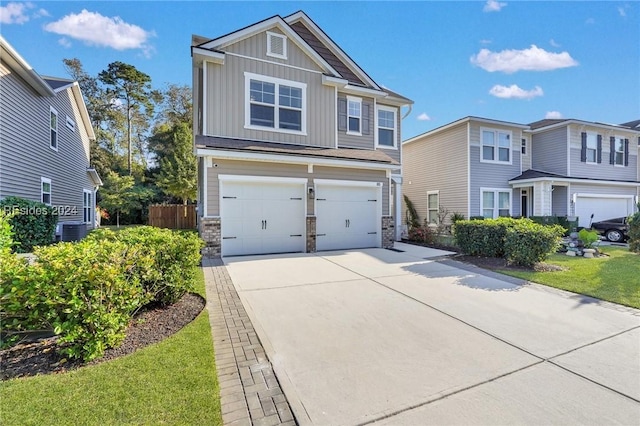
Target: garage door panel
<point x="602" y="208"/>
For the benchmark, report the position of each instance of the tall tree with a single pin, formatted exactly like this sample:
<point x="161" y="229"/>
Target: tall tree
<point x="129" y="89"/>
<point x="178" y="171"/>
<point x="120" y="195"/>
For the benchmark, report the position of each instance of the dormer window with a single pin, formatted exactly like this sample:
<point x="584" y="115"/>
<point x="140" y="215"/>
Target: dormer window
<point x="276" y="45"/>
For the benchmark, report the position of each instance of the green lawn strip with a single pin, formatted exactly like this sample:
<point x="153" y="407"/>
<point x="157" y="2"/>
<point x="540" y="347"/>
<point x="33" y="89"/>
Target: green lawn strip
<point x="172" y="382"/>
<point x="615" y="278"/>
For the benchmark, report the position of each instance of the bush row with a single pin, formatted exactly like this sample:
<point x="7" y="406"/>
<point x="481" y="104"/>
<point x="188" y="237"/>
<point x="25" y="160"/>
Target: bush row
<point x="634" y="231"/>
<point x="33" y="223"/>
<point x="521" y="241"/>
<point x="88" y="291"/>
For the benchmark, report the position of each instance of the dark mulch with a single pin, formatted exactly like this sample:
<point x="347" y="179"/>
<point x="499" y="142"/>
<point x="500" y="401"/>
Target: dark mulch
<point x="147" y="327"/>
<point x="497" y="263"/>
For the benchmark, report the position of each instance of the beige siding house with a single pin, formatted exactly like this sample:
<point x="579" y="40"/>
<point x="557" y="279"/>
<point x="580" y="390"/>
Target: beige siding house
<point x="483" y="167"/>
<point x="299" y="149"/>
<point x="45" y="135"/>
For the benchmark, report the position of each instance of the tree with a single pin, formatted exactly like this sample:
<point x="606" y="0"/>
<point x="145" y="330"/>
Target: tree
<point x="129" y="90"/>
<point x="121" y="195"/>
<point x="178" y="167"/>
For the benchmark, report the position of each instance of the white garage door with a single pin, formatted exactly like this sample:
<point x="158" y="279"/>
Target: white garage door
<point x="602" y="207"/>
<point x="260" y="217"/>
<point x="348" y="215"/>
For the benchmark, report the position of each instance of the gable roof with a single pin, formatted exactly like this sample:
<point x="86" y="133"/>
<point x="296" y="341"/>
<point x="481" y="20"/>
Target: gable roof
<point x="635" y="125"/>
<point x="57" y="84"/>
<point x="548" y="124"/>
<point x="23" y="69"/>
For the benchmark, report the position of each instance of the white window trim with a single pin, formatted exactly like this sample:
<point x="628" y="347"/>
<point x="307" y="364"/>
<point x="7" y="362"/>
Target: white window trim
<point x="42" y="181"/>
<point x="277" y="81"/>
<point x="496" y="146"/>
<point x="496" y="200"/>
<point x="595" y="135"/>
<point x="437" y="209"/>
<point x="615" y="147"/>
<point x="284" y="45"/>
<point x="71" y="125"/>
<point x="357" y="100"/>
<point x="524" y="145"/>
<point x="377" y="126"/>
<point x="85" y="206"/>
<point x="54" y="112"/>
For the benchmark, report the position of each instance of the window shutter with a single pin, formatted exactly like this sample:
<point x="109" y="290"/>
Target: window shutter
<point x="583" y="152"/>
<point x="599" y="149"/>
<point x="342" y="114"/>
<point x="626" y="152"/>
<point x="366" y="118"/>
<point x="612" y="153"/>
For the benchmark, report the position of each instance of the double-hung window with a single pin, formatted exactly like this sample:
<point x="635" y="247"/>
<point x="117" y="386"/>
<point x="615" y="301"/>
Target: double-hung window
<point x="45" y="190"/>
<point x="354" y="115"/>
<point x="275" y="104"/>
<point x="53" y="126"/>
<point x="432" y="206"/>
<point x="496" y="146"/>
<point x="619" y="151"/>
<point x="496" y="203"/>
<point x="386" y="127"/>
<point x="592" y="148"/>
<point x="87" y="206"/>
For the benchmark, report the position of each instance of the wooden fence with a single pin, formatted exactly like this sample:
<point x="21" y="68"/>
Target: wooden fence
<point x="173" y="216"/>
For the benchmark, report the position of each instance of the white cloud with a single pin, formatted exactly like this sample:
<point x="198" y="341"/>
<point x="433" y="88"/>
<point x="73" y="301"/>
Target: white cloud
<point x="64" y="42"/>
<point x="553" y="114"/>
<point x="532" y="59"/>
<point x="485" y="41"/>
<point x="15" y="13"/>
<point x="553" y="43"/>
<point x="95" y="29"/>
<point x="493" y="6"/>
<point x="424" y="117"/>
<point x="622" y="10"/>
<point x="515" y="92"/>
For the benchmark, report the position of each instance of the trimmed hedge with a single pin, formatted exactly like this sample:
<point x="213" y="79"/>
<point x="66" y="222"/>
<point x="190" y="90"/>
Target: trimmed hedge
<point x="634" y="231"/>
<point x="520" y="241"/>
<point x="88" y="291"/>
<point x="33" y="223"/>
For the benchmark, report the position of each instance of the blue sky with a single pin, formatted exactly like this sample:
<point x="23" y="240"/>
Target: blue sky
<point x="516" y="61"/>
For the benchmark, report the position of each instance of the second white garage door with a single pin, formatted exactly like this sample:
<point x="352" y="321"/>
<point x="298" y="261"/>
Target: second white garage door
<point x="348" y="214"/>
<point x="602" y="207"/>
<point x="263" y="215"/>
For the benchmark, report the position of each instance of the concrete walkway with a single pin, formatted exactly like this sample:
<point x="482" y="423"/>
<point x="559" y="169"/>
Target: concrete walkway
<point x="357" y="337"/>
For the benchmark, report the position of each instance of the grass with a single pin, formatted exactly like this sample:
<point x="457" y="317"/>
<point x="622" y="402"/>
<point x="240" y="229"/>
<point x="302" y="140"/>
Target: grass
<point x="615" y="278"/>
<point x="172" y="382"/>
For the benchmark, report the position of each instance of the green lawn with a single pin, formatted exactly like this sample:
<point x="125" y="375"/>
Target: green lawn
<point x="615" y="278"/>
<point x="172" y="382"/>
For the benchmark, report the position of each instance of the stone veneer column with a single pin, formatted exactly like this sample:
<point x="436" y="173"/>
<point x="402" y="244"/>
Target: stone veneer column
<point x="311" y="234"/>
<point x="210" y="233"/>
<point x="388" y="231"/>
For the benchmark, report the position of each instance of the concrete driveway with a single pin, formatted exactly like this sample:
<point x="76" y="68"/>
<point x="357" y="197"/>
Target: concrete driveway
<point x="374" y="335"/>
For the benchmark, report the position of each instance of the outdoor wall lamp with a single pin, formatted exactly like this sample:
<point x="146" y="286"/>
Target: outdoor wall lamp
<point x="312" y="193"/>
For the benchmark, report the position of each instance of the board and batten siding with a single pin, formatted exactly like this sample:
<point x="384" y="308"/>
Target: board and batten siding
<point x="550" y="151"/>
<point x="437" y="163"/>
<point x="604" y="170"/>
<point x="25" y="153"/>
<point x="493" y="175"/>
<point x="224" y="102"/>
<point x="256" y="168"/>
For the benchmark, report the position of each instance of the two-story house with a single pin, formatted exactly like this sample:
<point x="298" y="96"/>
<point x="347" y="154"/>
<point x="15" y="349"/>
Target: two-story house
<point x="45" y="134"/>
<point x="299" y="149"/>
<point x="564" y="167"/>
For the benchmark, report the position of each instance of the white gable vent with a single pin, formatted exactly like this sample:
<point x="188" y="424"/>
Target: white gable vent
<point x="276" y="45"/>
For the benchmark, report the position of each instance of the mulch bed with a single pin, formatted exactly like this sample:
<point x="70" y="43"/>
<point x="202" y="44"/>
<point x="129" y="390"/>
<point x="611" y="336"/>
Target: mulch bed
<point x="147" y="327"/>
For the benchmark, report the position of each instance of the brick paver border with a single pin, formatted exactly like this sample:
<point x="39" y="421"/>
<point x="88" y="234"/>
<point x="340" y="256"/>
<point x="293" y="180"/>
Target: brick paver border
<point x="249" y="390"/>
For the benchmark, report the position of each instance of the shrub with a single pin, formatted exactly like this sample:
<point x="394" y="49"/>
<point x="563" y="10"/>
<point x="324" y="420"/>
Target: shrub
<point x="528" y="243"/>
<point x="33" y="223"/>
<point x="174" y="254"/>
<point x="634" y="231"/>
<point x="483" y="237"/>
<point x="456" y="217"/>
<point x="412" y="218"/>
<point x="6" y="233"/>
<point x="422" y="234"/>
<point x="588" y="237"/>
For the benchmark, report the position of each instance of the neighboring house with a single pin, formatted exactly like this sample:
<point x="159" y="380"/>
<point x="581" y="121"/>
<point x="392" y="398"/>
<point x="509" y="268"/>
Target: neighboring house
<point x="298" y="148"/>
<point x="45" y="133"/>
<point x="565" y="167"/>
